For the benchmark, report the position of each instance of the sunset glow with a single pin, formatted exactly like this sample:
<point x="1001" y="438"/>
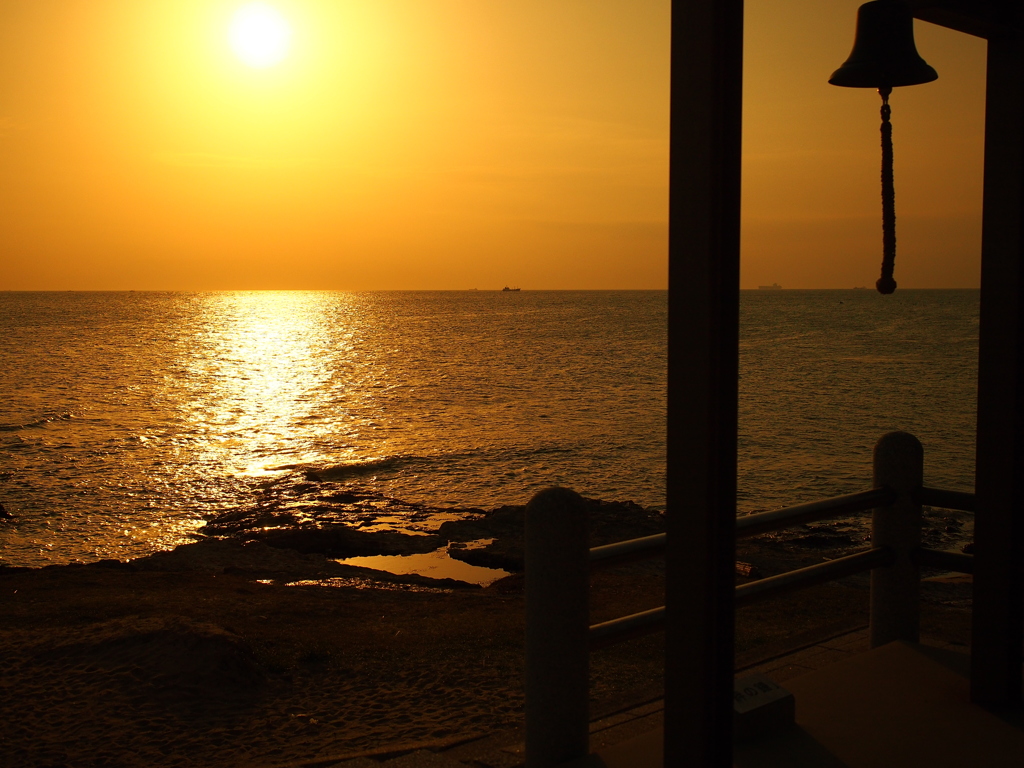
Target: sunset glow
<point x="452" y="144"/>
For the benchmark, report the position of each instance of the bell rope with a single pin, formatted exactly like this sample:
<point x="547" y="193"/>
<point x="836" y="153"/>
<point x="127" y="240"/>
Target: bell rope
<point x="886" y="284"/>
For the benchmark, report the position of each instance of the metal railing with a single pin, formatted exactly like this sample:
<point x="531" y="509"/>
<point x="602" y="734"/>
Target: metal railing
<point x="628" y="627"/>
<point x="559" y="636"/>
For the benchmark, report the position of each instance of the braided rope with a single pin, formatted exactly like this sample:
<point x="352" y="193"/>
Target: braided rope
<point x="886" y="284"/>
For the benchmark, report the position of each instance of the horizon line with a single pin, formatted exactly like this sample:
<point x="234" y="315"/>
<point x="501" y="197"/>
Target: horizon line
<point x="758" y="289"/>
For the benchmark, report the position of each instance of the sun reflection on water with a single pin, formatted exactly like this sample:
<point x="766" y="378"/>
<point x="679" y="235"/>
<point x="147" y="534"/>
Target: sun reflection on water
<point x="260" y="373"/>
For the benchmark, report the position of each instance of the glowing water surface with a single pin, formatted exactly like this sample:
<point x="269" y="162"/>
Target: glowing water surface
<point x="128" y="418"/>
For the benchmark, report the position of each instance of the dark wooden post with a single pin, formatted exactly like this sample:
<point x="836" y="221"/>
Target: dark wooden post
<point x="998" y="624"/>
<point x="704" y="245"/>
<point x="896" y="589"/>
<point x="557" y="628"/>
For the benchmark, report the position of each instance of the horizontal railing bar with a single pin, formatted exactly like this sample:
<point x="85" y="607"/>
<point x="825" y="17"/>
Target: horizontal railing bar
<point x="765" y="522"/>
<point x="812" y="575"/>
<point x="626" y="551"/>
<point x="947" y="561"/>
<point x="937" y="497"/>
<point x="626" y="627"/>
<point x="643" y="623"/>
<point x="776" y="520"/>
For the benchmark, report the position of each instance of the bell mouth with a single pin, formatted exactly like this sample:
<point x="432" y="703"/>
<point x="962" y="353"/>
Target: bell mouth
<point x="867" y="74"/>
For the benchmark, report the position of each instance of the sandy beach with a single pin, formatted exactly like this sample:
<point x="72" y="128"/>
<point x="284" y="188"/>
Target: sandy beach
<point x="235" y="653"/>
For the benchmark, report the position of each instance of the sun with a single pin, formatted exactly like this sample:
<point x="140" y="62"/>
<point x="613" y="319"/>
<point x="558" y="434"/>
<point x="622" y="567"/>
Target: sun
<point x="259" y="35"/>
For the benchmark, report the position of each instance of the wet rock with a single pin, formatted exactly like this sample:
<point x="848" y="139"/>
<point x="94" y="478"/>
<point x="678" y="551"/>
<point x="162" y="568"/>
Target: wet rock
<point x="241" y="520"/>
<point x="107" y="564"/>
<point x="286" y="503"/>
<point x="610" y="521"/>
<point x="217" y="555"/>
<point x="503" y="554"/>
<point x="342" y="541"/>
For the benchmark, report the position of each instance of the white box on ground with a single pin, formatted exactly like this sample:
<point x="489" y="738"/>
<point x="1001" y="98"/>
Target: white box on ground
<point x="760" y="707"/>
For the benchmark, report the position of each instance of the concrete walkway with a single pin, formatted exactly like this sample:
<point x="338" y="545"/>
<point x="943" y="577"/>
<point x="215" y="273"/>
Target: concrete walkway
<point x="899" y="706"/>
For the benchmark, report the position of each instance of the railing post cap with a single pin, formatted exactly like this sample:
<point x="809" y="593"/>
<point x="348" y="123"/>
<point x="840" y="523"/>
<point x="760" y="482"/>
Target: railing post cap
<point x="899" y="440"/>
<point x="899" y="462"/>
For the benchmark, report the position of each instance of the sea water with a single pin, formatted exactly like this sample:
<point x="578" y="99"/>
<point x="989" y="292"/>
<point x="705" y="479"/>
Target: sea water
<point x="126" y="419"/>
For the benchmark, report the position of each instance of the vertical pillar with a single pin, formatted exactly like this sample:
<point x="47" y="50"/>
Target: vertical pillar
<point x="557" y="628"/>
<point x="896" y="589"/>
<point x="998" y="624"/>
<point x="704" y="246"/>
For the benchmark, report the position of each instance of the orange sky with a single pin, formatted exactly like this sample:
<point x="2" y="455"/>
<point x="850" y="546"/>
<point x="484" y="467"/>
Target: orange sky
<point x="448" y="144"/>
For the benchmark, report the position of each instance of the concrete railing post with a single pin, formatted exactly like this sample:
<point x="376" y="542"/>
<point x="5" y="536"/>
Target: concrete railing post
<point x="896" y="589"/>
<point x="557" y="626"/>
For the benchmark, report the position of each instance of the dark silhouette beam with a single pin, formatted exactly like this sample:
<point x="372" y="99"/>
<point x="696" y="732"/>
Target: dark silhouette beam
<point x="973" y="17"/>
<point x="998" y="612"/>
<point x="704" y="248"/>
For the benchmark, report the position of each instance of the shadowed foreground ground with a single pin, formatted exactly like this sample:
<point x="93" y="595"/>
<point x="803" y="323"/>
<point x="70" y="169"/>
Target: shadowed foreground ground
<point x="231" y="651"/>
<point x="109" y="666"/>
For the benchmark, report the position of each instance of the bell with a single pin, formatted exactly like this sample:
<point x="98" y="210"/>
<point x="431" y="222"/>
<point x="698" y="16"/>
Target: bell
<point x="884" y="55"/>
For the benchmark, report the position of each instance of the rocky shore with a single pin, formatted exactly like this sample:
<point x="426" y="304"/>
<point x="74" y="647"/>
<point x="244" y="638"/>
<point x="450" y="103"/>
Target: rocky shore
<point x="340" y="520"/>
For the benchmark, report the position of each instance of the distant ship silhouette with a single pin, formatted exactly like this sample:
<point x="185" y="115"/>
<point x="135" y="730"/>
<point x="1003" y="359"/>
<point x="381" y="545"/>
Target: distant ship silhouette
<point x="772" y="287"/>
<point x="506" y="288"/>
